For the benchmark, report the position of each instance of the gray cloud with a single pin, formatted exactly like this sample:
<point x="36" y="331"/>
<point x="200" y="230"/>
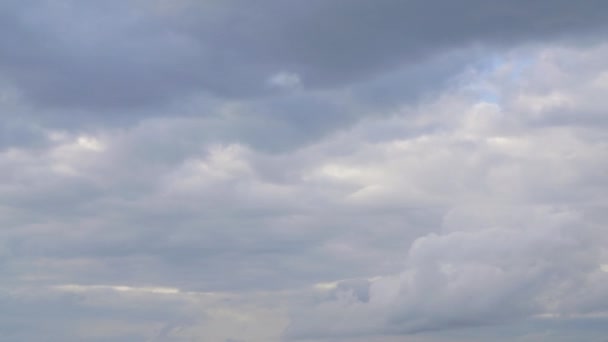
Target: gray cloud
<point x="123" y="54"/>
<point x="74" y="65"/>
<point x="177" y="170"/>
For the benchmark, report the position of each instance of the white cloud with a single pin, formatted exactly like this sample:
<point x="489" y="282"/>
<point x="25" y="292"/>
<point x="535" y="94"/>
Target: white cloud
<point x="285" y="80"/>
<point x="518" y="241"/>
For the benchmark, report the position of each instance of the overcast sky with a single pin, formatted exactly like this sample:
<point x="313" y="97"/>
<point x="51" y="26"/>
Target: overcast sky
<point x="312" y="171"/>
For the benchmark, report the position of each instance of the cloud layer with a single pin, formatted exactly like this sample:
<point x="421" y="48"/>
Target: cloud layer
<point x="320" y="171"/>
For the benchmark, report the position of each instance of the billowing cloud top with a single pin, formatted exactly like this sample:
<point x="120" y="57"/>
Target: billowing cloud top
<point x="323" y="170"/>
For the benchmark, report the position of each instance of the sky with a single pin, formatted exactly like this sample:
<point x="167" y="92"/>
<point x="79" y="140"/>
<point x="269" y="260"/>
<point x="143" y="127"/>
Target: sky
<point x="303" y="171"/>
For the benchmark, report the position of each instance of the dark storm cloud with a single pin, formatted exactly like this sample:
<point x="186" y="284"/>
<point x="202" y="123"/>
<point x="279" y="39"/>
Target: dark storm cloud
<point x="119" y="54"/>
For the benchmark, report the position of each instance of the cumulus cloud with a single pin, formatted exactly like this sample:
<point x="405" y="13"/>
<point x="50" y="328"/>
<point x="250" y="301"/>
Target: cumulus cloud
<point x="520" y="240"/>
<point x="529" y="267"/>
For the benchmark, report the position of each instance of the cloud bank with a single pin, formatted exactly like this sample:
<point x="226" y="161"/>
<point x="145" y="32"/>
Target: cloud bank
<point x="314" y="171"/>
